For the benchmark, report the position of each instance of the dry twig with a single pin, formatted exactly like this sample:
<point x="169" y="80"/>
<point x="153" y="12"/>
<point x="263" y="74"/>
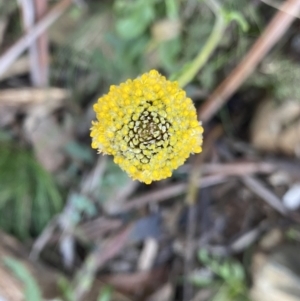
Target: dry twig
<point x="42" y="58"/>
<point x="259" y="189"/>
<point x="268" y="196"/>
<point x="168" y="192"/>
<point x="27" y="39"/>
<point x="238" y="168"/>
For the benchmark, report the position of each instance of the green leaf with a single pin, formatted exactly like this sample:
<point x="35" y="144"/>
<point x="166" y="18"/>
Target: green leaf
<point x="66" y="289"/>
<point x="32" y="290"/>
<point x="6" y="195"/>
<point x="105" y="294"/>
<point x="133" y="26"/>
<point x="83" y="204"/>
<point x="225" y="270"/>
<point x="203" y="256"/>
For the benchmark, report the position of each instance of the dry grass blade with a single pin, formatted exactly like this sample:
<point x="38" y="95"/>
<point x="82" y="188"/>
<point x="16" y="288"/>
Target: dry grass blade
<point x="95" y="229"/>
<point x="248" y="238"/>
<point x="28" y="14"/>
<point x="27" y="39"/>
<point x="42" y="240"/>
<point x="237" y="168"/>
<point x="148" y="254"/>
<point x="168" y="192"/>
<point x="42" y="56"/>
<point x="20" y="66"/>
<point x="32" y="96"/>
<point x="38" y="50"/>
<point x="259" y="189"/>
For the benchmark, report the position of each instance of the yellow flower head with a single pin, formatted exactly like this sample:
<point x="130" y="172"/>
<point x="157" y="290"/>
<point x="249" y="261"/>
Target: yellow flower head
<point x="148" y="125"/>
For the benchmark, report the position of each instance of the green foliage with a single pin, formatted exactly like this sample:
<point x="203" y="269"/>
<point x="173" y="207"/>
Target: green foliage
<point x="96" y="51"/>
<point x="293" y="234"/>
<point x="80" y="205"/>
<point x="229" y="278"/>
<point x="133" y="17"/>
<point x="115" y="41"/>
<point x="32" y="290"/>
<point x="66" y="289"/>
<point x="6" y="7"/>
<point x="83" y="282"/>
<point x="29" y="197"/>
<point x="168" y="53"/>
<point x="280" y="75"/>
<point x="285" y="78"/>
<point x="105" y="294"/>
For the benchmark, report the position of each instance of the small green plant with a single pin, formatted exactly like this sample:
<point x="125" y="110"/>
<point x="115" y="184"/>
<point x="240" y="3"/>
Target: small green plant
<point x="226" y="276"/>
<point x="29" y="197"/>
<point x="105" y="294"/>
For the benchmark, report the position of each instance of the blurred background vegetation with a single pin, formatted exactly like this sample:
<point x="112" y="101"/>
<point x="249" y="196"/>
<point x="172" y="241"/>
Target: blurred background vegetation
<point x="67" y="204"/>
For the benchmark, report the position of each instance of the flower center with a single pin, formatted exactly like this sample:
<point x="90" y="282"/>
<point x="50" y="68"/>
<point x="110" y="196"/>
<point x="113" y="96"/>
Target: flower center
<point x="148" y="135"/>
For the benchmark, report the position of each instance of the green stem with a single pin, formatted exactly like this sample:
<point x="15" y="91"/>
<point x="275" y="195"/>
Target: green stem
<point x="207" y="50"/>
<point x="172" y="9"/>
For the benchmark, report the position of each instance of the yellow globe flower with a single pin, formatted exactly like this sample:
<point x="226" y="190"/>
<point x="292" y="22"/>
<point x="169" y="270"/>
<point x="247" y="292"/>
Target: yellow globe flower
<point x="148" y="125"/>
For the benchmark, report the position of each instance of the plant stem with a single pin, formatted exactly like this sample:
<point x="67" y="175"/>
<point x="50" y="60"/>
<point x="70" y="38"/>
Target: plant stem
<point x="208" y="48"/>
<point x="172" y="9"/>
